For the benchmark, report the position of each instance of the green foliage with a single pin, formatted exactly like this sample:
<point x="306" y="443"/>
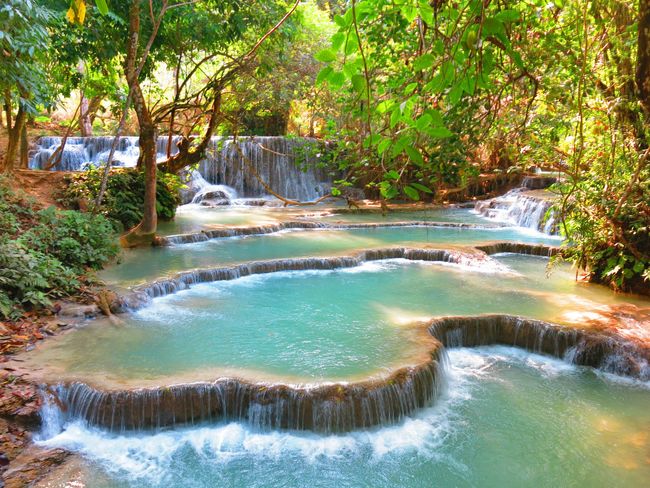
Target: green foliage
<point x="411" y="78"/>
<point x="44" y="254"/>
<point x="77" y="240"/>
<point x="23" y="43"/>
<point x="607" y="220"/>
<point x="124" y="198"/>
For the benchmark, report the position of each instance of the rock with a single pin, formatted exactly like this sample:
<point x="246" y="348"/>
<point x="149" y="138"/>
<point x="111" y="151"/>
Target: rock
<point x="76" y="310"/>
<point x="538" y="182"/>
<point x="32" y="465"/>
<point x="129" y="301"/>
<point x="215" y="195"/>
<point x="215" y="203"/>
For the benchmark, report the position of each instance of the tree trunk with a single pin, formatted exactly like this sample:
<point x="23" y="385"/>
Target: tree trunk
<point x="85" y="124"/>
<point x="13" y="143"/>
<point x="24" y="148"/>
<point x="643" y="57"/>
<point x="144" y="232"/>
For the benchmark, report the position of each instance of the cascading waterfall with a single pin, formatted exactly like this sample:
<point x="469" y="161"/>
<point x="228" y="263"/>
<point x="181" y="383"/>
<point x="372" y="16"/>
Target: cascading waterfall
<point x="328" y="407"/>
<point x="255" y="230"/>
<point x="273" y="158"/>
<point x="140" y="296"/>
<point x="338" y="407"/>
<point x="522" y="208"/>
<point x="80" y="153"/>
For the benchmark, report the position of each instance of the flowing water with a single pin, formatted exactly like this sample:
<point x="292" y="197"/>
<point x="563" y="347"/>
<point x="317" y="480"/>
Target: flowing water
<point x="530" y="209"/>
<point x="146" y="264"/>
<point x="289" y="166"/>
<point x="507" y="418"/>
<point x="504" y="417"/>
<point x="310" y="325"/>
<point x="194" y="218"/>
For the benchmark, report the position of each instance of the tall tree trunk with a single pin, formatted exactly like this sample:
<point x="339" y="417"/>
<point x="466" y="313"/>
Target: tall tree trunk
<point x="13" y="132"/>
<point x="85" y="124"/>
<point x="643" y="57"/>
<point x="24" y="148"/>
<point x="144" y="232"/>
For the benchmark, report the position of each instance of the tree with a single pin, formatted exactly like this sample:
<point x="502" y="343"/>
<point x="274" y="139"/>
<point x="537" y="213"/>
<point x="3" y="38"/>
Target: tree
<point x="23" y="48"/>
<point x="206" y="97"/>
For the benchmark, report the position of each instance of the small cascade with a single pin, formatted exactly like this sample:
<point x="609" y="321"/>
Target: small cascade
<point x="141" y="295"/>
<point x="288" y="165"/>
<point x="328" y="408"/>
<point x="584" y="347"/>
<point x="205" y="235"/>
<point x="522" y="208"/>
<point x="337" y="407"/>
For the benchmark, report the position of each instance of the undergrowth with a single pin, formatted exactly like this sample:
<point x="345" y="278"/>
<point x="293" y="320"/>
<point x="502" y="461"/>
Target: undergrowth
<point x="46" y="253"/>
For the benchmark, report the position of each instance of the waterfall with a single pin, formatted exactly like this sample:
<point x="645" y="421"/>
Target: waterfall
<point x="323" y="407"/>
<point x="338" y="407"/>
<point x="522" y="208"/>
<point x="288" y="165"/>
<point x="609" y="352"/>
<point x="141" y="295"/>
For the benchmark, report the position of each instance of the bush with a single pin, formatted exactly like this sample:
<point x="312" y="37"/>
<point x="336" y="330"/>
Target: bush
<point x="124" y="197"/>
<point x="45" y="253"/>
<point x="76" y="239"/>
<point x="29" y="278"/>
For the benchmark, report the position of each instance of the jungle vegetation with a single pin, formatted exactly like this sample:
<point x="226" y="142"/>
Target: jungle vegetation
<point x="417" y="97"/>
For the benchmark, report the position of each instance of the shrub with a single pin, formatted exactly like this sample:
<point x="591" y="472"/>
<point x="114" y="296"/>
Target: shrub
<point x="124" y="197"/>
<point x="76" y="239"/>
<point x="45" y="253"/>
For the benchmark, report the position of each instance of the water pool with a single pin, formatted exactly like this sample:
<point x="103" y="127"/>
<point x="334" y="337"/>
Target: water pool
<point x="310" y="325"/>
<point x="139" y="265"/>
<point x="507" y="418"/>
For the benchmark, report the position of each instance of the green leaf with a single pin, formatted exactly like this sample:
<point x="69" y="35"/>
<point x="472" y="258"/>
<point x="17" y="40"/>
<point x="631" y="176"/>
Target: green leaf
<point x="325" y="56"/>
<point x="395" y="117"/>
<point x="340" y="21"/>
<point x="423" y="62"/>
<point x="384" y="106"/>
<point x="359" y="83"/>
<point x="409" y="12"/>
<point x="352" y="44"/>
<point x="455" y="93"/>
<point x="426" y="12"/>
<point x="101" y="6"/>
<point x="423" y="122"/>
<point x="336" y="192"/>
<point x="436" y="117"/>
<point x="439" y="132"/>
<point x="410" y="88"/>
<point x="415" y="155"/>
<point x="411" y="192"/>
<point x="337" y="40"/>
<point x="493" y="26"/>
<point x="383" y="145"/>
<point x="508" y="15"/>
<point x="392" y="175"/>
<point x="324" y="74"/>
<point x="422" y="188"/>
<point x="638" y="267"/>
<point x="336" y="80"/>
